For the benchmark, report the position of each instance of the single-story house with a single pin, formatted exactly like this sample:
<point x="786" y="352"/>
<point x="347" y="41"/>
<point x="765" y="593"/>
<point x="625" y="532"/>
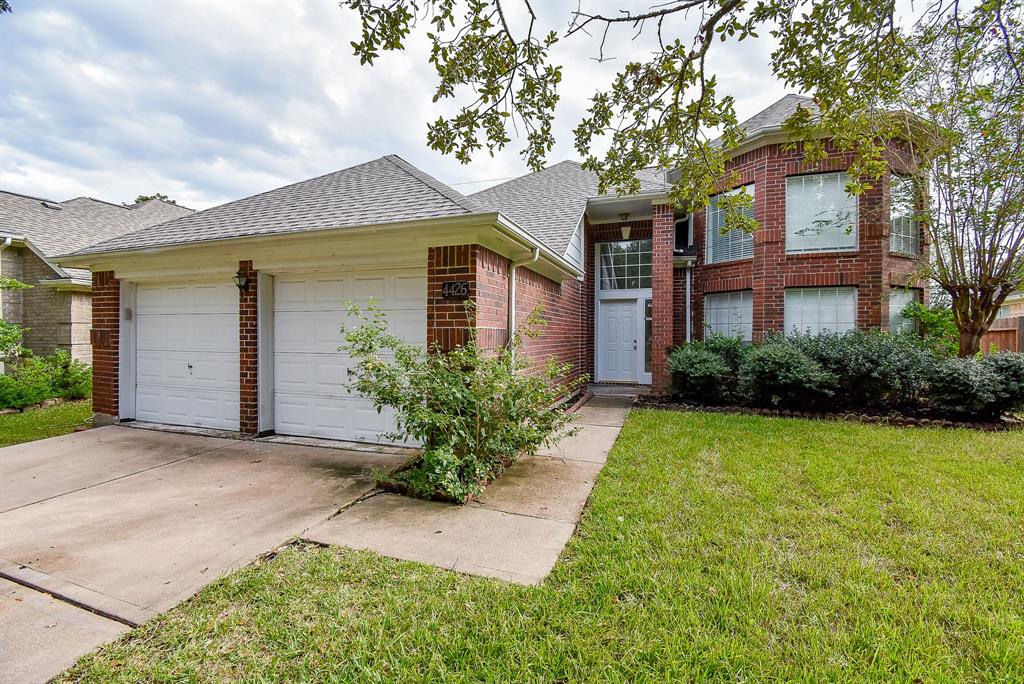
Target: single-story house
<point x="230" y="318"/>
<point x="56" y="309"/>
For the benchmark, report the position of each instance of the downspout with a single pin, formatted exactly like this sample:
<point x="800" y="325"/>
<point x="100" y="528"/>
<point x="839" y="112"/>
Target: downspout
<point x="512" y="268"/>
<point x="4" y="245"/>
<point x="689" y="316"/>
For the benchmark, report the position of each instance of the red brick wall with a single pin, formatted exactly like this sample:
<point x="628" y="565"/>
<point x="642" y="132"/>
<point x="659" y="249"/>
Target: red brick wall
<point x="662" y="326"/>
<point x="487" y="275"/>
<point x="872" y="269"/>
<point x="105" y="338"/>
<point x="248" y="353"/>
<point x="562" y="309"/>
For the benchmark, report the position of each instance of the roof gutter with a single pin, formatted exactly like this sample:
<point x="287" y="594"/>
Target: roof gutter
<point x="510" y="229"/>
<point x="613" y="199"/>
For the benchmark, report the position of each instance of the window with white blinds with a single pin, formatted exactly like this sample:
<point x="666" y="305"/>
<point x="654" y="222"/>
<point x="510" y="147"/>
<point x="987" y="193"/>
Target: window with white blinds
<point x="899" y="298"/>
<point x="733" y="244"/>
<point x="820" y="215"/>
<point x="730" y="314"/>
<point x="904" y="231"/>
<point x="815" y="310"/>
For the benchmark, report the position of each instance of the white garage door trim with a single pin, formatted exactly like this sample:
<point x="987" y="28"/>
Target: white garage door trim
<point x="309" y="373"/>
<point x="186" y="354"/>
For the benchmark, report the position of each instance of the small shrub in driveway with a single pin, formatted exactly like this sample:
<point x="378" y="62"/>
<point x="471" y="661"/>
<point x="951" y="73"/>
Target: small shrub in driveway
<point x="475" y="410"/>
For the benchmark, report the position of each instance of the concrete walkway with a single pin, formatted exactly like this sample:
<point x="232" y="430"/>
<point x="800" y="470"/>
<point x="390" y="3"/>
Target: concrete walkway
<point x="517" y="528"/>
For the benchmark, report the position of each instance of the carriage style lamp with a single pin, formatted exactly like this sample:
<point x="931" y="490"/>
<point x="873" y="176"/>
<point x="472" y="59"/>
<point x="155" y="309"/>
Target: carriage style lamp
<point x="241" y="281"/>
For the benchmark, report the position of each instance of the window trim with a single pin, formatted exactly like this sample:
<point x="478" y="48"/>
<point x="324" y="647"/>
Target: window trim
<point x="822" y="250"/>
<point x="707" y="227"/>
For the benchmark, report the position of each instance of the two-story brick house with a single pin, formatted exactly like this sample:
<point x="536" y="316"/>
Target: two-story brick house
<point x="230" y="318"/>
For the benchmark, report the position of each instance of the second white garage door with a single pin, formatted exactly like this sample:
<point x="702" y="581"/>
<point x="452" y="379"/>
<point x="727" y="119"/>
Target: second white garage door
<point x="310" y="373"/>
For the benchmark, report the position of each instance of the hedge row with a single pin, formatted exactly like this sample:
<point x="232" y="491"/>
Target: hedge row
<point x="862" y="371"/>
<point x="33" y="379"/>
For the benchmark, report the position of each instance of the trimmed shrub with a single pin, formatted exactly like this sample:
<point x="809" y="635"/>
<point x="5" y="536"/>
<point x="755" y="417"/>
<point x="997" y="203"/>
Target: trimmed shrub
<point x="1009" y="368"/>
<point x="964" y="388"/>
<point x="730" y="349"/>
<point x="700" y="374"/>
<point x="778" y="374"/>
<point x="878" y="371"/>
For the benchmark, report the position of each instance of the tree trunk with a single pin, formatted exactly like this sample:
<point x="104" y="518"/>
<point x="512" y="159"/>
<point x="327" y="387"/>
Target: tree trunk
<point x="970" y="342"/>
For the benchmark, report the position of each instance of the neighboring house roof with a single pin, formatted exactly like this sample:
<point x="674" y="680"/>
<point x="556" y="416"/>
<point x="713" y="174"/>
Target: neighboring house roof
<point x="55" y="228"/>
<point x="549" y="203"/>
<point x="385" y="190"/>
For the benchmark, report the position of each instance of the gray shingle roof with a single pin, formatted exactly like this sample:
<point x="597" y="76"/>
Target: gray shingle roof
<point x="386" y="190"/>
<point x="549" y="203"/>
<point x="77" y="223"/>
<point x="772" y="117"/>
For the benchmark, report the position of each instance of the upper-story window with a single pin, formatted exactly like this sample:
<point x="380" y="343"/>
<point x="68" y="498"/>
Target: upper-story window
<point x="820" y="215"/>
<point x="733" y="243"/>
<point x="904" y="231"/>
<point x="625" y="265"/>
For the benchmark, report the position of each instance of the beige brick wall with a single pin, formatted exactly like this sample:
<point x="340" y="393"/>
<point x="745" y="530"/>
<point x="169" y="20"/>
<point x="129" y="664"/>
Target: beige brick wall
<point x="81" y="324"/>
<point x="45" y="311"/>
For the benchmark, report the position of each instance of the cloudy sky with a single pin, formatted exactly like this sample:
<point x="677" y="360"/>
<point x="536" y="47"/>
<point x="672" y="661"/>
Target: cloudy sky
<point x="211" y="101"/>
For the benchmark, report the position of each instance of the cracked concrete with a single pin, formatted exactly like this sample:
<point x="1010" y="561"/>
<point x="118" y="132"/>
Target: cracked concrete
<point x="514" y="531"/>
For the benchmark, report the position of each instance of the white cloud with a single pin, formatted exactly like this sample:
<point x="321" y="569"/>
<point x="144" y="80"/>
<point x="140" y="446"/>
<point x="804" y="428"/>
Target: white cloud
<point x="209" y="102"/>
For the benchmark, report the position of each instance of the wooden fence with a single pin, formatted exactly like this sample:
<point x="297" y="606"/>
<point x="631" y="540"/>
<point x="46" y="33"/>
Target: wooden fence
<point x="1006" y="334"/>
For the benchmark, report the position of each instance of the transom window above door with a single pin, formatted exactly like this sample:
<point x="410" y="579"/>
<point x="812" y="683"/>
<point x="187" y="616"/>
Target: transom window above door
<point x="625" y="265"/>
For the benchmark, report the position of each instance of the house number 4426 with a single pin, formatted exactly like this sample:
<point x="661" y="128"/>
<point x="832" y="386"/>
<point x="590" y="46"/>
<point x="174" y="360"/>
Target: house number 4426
<point x="455" y="289"/>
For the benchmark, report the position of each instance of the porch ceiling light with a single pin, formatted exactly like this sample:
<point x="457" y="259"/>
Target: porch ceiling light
<point x="624" y="216"/>
<point x="241" y="281"/>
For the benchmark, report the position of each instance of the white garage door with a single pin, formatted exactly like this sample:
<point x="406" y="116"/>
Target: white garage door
<point x="310" y="398"/>
<point x="187" y="355"/>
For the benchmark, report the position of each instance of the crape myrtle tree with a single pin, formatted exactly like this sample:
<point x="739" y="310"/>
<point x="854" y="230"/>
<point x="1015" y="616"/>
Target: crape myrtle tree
<point x="970" y="156"/>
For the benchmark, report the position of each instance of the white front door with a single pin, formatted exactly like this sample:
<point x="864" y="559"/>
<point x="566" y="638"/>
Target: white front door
<point x="310" y="398"/>
<point x="187" y="354"/>
<point x="618" y="344"/>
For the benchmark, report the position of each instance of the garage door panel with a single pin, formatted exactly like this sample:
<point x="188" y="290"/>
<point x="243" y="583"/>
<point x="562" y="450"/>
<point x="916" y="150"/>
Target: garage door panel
<point x="201" y="332"/>
<point x="310" y="373"/>
<point x="187" y="360"/>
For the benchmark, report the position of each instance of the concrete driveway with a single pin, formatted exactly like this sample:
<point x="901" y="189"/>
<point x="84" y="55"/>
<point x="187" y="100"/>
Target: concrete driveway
<point x="127" y="523"/>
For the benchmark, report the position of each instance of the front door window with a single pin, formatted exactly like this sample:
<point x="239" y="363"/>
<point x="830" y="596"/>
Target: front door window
<point x="626" y="265"/>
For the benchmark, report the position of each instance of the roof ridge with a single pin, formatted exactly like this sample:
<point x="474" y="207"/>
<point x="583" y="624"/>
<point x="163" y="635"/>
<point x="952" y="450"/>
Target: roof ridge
<point x="528" y="173"/>
<point x="31" y="197"/>
<point x="157" y="199"/>
<point x="449" y="193"/>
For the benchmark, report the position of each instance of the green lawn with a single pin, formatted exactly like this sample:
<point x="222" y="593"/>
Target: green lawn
<point x="714" y="548"/>
<point x="41" y="423"/>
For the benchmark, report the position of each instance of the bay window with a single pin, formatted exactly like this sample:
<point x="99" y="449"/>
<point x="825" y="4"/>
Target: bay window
<point x="820" y="215"/>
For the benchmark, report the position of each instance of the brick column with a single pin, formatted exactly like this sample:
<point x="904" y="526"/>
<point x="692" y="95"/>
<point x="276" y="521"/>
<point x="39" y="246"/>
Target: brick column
<point x="663" y="241"/>
<point x="105" y="339"/>
<point x="486" y="273"/>
<point x="248" y="354"/>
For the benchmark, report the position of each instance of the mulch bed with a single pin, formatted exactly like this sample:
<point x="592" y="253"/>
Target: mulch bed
<point x="672" y="404"/>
